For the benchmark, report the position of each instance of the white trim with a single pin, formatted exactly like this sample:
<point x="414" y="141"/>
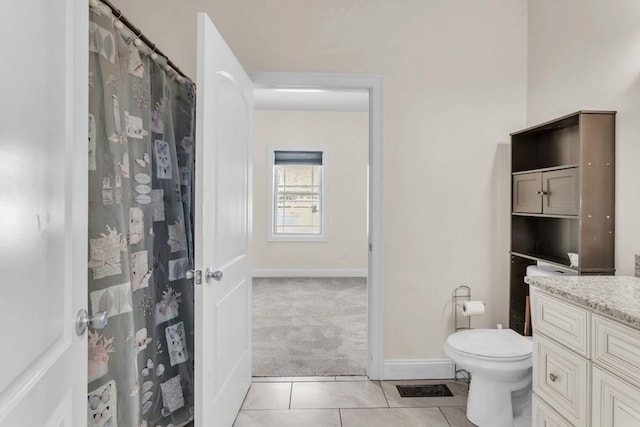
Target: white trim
<point x="330" y="272"/>
<point x="372" y="84"/>
<point x="324" y="198"/>
<point x="418" y="369"/>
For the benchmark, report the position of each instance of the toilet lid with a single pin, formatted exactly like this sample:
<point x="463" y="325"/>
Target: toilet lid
<point x="491" y="343"/>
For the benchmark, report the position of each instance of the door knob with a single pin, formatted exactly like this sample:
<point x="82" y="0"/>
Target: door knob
<point x="215" y="275"/>
<point x="97" y="321"/>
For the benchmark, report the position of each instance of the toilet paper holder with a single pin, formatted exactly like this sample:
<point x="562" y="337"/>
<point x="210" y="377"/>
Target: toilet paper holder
<point x="460" y="295"/>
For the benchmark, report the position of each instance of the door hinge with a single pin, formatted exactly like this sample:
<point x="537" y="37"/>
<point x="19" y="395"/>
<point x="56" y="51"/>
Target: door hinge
<point x="370" y="247"/>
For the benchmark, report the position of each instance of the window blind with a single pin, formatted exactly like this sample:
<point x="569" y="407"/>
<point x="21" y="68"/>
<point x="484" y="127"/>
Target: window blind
<point x="297" y="158"/>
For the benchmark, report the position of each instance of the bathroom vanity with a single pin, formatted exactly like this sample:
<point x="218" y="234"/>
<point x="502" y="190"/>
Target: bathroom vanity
<point x="586" y="351"/>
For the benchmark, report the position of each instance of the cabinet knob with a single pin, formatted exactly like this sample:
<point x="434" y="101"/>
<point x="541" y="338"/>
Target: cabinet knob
<point x="553" y="377"/>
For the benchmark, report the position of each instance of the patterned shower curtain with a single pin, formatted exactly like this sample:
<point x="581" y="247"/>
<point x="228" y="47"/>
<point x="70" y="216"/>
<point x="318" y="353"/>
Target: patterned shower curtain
<point x="141" y="167"/>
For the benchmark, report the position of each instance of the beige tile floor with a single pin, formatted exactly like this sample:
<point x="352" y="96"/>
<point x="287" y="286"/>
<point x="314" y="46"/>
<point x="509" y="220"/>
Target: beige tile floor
<point x="348" y="402"/>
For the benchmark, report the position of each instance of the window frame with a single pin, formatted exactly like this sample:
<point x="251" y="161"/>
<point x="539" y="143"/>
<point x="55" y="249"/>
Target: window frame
<point x="272" y="236"/>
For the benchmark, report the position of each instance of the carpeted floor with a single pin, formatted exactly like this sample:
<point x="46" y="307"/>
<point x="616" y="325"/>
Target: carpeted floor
<point x="309" y="326"/>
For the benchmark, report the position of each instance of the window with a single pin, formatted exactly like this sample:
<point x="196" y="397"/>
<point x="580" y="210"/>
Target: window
<point x="298" y="207"/>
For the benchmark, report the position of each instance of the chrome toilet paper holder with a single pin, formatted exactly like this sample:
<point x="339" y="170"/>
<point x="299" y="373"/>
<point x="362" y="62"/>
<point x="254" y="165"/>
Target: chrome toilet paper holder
<point x="460" y="295"/>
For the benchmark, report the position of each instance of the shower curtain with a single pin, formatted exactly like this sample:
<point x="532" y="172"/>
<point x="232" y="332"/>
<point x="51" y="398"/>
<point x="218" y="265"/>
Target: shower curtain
<point x="141" y="168"/>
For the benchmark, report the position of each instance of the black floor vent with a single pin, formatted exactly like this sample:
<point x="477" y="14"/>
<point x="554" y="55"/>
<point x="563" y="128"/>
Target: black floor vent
<point x="431" y="390"/>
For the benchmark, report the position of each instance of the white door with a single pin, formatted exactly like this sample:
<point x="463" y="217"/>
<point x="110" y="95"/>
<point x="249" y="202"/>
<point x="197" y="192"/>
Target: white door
<point x="223" y="230"/>
<point x="43" y="211"/>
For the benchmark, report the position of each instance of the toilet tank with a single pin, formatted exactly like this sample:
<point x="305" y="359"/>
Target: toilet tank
<point x="543" y="269"/>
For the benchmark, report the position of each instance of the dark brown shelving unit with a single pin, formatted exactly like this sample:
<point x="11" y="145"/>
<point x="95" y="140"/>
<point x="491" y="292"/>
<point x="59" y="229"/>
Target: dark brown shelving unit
<point x="563" y="199"/>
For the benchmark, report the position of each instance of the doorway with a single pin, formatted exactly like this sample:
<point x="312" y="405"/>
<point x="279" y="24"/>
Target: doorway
<point x="371" y="88"/>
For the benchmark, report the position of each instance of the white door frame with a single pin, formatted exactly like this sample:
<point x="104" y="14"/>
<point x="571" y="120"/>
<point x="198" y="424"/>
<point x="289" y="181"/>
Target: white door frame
<point x="372" y="84"/>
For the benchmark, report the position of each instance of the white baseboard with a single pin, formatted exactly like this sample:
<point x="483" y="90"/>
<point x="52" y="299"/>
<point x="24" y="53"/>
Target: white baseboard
<point x="344" y="272"/>
<point x="418" y="369"/>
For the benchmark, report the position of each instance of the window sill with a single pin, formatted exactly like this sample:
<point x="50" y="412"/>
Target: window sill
<point x="298" y="238"/>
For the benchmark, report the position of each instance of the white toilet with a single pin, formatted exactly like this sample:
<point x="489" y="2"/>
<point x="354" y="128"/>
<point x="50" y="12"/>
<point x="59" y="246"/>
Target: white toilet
<point x="500" y="362"/>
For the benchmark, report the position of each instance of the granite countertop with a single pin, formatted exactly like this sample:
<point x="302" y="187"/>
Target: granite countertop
<point x="617" y="297"/>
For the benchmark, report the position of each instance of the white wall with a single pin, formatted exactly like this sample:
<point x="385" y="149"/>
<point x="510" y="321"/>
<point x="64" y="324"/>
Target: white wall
<point x="454" y="88"/>
<point x="586" y="55"/>
<point x="345" y="136"/>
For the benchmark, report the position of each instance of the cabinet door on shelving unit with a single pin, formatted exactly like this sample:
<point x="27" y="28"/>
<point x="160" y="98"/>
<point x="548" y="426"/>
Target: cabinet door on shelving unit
<point x="561" y="192"/>
<point x="526" y="193"/>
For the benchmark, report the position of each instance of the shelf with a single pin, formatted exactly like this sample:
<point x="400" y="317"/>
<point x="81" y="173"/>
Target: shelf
<point x="549" y="169"/>
<point x="552" y="157"/>
<point x="561" y="123"/>
<point x="545" y="238"/>
<point x="560" y="262"/>
<point x="537" y="215"/>
<point x="597" y="271"/>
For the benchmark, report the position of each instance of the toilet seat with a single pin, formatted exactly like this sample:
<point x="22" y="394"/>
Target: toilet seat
<point x="502" y="344"/>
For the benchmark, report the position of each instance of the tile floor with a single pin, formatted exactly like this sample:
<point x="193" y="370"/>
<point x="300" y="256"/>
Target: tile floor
<point x="348" y="402"/>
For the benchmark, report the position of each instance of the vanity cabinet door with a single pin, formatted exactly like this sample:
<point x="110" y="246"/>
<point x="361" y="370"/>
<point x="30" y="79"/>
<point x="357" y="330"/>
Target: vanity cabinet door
<point x="561" y="192"/>
<point x="616" y="347"/>
<point x="526" y="193"/>
<point x="563" y="322"/>
<point x="616" y="402"/>
<point x="543" y="416"/>
<point x="561" y="378"/>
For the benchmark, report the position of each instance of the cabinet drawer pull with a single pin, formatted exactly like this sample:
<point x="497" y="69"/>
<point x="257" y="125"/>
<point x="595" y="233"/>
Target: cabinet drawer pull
<point x="553" y="377"/>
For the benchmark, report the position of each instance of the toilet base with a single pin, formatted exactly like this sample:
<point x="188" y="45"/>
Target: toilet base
<point x="521" y="404"/>
<point x="491" y="404"/>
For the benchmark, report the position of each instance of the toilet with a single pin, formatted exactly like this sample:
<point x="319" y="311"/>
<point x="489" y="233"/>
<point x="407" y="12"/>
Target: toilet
<point x="500" y="362"/>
